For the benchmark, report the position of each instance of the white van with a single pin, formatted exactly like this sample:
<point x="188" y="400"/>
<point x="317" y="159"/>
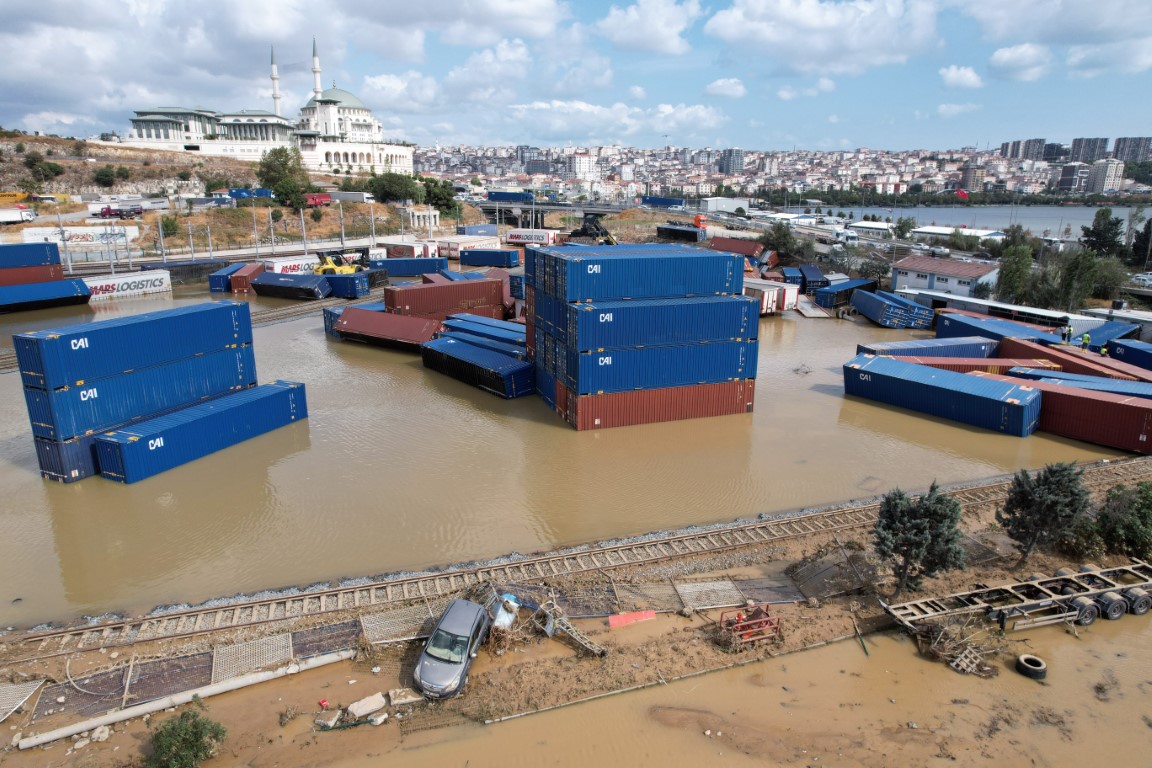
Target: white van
<point x="847" y="236"/>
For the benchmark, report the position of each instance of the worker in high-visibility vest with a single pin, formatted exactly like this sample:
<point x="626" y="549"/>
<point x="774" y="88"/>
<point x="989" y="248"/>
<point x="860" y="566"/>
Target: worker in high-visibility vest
<point x="1085" y="340"/>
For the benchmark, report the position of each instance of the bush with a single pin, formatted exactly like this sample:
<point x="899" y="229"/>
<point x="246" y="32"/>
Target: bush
<point x="122" y="172"/>
<point x="316" y="215"/>
<point x="105" y="177"/>
<point x="1082" y="540"/>
<point x="1125" y="520"/>
<point x="184" y="175"/>
<point x="185" y="741"/>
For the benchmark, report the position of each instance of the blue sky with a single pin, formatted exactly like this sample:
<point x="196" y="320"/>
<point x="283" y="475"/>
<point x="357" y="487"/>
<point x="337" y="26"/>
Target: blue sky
<point x="756" y="74"/>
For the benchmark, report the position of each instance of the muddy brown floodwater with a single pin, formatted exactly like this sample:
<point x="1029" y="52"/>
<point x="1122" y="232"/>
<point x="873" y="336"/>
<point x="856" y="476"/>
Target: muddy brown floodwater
<point x="401" y="468"/>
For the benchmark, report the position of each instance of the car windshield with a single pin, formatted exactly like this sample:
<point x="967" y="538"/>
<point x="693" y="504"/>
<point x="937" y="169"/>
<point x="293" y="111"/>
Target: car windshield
<point x="448" y="647"/>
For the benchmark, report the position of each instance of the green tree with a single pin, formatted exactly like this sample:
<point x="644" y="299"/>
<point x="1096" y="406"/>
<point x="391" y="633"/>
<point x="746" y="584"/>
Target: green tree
<point x="1015" y="267"/>
<point x="476" y="182"/>
<point x="1040" y="508"/>
<point x="1125" y="520"/>
<point x="740" y="211"/>
<point x="1110" y="278"/>
<point x="440" y="194"/>
<point x="104" y="177"/>
<point x="1106" y="235"/>
<point x="277" y="214"/>
<point x="33" y="159"/>
<point x="982" y="291"/>
<point x="168" y="225"/>
<point x="184" y="175"/>
<point x="316" y="215"/>
<point x="185" y="741"/>
<point x="1141" y="173"/>
<point x="918" y="537"/>
<point x="30" y="185"/>
<point x="290" y="194"/>
<point x="1141" y="252"/>
<point x="280" y="165"/>
<point x="19" y="147"/>
<point x="123" y="173"/>
<point x="779" y="238"/>
<point x="1077" y="279"/>
<point x="80" y="148"/>
<point x="903" y="226"/>
<point x="395" y="187"/>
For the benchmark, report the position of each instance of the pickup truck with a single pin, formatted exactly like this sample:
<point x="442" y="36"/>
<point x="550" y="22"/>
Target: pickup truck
<point x="129" y="212"/>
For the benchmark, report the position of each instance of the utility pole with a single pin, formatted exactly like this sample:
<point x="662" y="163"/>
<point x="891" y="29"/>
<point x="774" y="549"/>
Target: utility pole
<point x="191" y="245"/>
<point x="340" y="207"/>
<point x="272" y="231"/>
<point x="304" y="232"/>
<point x="64" y="242"/>
<point x="255" y="234"/>
<point x="163" y="250"/>
<point x="209" y="243"/>
<point x="372" y="222"/>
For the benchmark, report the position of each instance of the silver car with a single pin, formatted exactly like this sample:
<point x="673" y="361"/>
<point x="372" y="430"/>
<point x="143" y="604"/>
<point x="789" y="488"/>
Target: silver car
<point x="442" y="669"/>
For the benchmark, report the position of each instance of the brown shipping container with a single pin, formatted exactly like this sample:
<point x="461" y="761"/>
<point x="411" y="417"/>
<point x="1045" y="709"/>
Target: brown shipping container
<point x="494" y="312"/>
<point x="25" y="275"/>
<point x="736" y="245"/>
<point x="777" y="276"/>
<point x="241" y="280"/>
<point x="1127" y="369"/>
<point x="434" y="278"/>
<point x="1102" y="418"/>
<point x="499" y="274"/>
<point x="986" y="364"/>
<point x="648" y="406"/>
<point x="1070" y="363"/>
<point x="431" y="299"/>
<point x="386" y="329"/>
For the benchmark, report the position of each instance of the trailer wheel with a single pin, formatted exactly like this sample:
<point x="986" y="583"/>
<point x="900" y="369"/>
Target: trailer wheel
<point x="1114" y="607"/>
<point x="1139" y="601"/>
<point x="1088" y="613"/>
<point x="1032" y="667"/>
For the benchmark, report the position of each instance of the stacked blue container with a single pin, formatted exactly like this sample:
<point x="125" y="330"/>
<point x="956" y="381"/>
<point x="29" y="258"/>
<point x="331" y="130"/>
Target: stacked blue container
<point x="85" y="379"/>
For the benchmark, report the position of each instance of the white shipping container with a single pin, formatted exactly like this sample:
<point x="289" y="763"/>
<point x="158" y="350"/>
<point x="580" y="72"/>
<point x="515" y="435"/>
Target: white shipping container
<point x="130" y="284"/>
<point x="392" y="239"/>
<point x="766" y="295"/>
<point x="535" y="236"/>
<point x="788" y="292"/>
<point x="452" y="245"/>
<point x="431" y="248"/>
<point x="292" y="265"/>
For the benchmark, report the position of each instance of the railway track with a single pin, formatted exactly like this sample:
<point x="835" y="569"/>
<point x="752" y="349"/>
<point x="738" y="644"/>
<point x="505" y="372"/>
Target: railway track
<point x="604" y="557"/>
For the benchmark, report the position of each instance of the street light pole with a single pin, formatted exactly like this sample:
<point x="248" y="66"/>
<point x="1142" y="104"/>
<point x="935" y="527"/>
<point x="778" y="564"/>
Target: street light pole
<point x="372" y="222"/>
<point x="304" y="233"/>
<point x="209" y="241"/>
<point x="340" y="207"/>
<point x="191" y="245"/>
<point x="272" y="231"/>
<point x="255" y="233"/>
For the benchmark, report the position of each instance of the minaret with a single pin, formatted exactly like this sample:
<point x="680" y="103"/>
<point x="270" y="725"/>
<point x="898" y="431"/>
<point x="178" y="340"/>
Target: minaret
<point x="317" y="89"/>
<point x="275" y="86"/>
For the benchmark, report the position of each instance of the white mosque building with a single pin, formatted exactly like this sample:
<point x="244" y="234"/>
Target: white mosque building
<point x="334" y="131"/>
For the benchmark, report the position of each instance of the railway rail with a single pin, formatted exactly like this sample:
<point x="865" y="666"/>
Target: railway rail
<point x="555" y="565"/>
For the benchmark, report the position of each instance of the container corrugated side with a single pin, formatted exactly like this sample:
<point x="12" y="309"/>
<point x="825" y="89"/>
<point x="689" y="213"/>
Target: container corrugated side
<point x="517" y="351"/>
<point x="1064" y="356"/>
<point x="1102" y="334"/>
<point x="545" y="385"/>
<point x="1116" y="366"/>
<point x="386" y="329"/>
<point x="649" y="406"/>
<point x="617" y="370"/>
<point x="884" y="312"/>
<point x="241" y="280"/>
<point x="1101" y="418"/>
<point x="490" y="257"/>
<point x="286" y="285"/>
<point x="1095" y="383"/>
<point x="969" y="364"/>
<point x="354" y="286"/>
<point x="429" y="299"/>
<point x="161" y="444"/>
<point x="814" y="278"/>
<point x="434" y="278"/>
<point x="506" y="325"/>
<point x="839" y="294"/>
<point x="655" y="322"/>
<point x="331" y="315"/>
<point x="25" y="275"/>
<point x="751" y="248"/>
<point x="1131" y="351"/>
<point x="220" y="281"/>
<point x="491" y="371"/>
<point x="516" y="286"/>
<point x="951" y="325"/>
<point x="87" y="352"/>
<point x="1011" y="408"/>
<point x="960" y="346"/>
<point x="589" y="274"/>
<point x="29" y="254"/>
<point x="58" y="293"/>
<point x="410" y="266"/>
<point x="62" y="414"/>
<point x="514" y="336"/>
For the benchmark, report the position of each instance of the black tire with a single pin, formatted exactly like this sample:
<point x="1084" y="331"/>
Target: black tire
<point x="1032" y="667"/>
<point x="1088" y="615"/>
<point x="328" y="271"/>
<point x="1140" y="605"/>
<point x="1115" y="610"/>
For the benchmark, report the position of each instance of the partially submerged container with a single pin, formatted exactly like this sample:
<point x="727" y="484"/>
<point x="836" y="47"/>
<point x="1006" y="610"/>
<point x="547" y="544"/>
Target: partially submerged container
<point x="291" y="286"/>
<point x="58" y="293"/>
<point x="332" y="314"/>
<point x="659" y="322"/>
<point x="76" y="355"/>
<point x="1131" y="351"/>
<point x="220" y="281"/>
<point x="1065" y="357"/>
<point x="491" y="371"/>
<point x="1095" y="383"/>
<point x="28" y="254"/>
<point x="885" y="312"/>
<point x="354" y="286"/>
<point x="518" y="351"/>
<point x="840" y="293"/>
<point x="61" y="414"/>
<point x="385" y="329"/>
<point x="410" y="267"/>
<point x="950" y="325"/>
<point x="24" y="275"/>
<point x="648" y="406"/>
<point x="1009" y="407"/>
<point x="490" y="257"/>
<point x="969" y="364"/>
<point x="155" y="446"/>
<point x="622" y="369"/>
<point x="960" y="346"/>
<point x="509" y="335"/>
<point x="241" y="279"/>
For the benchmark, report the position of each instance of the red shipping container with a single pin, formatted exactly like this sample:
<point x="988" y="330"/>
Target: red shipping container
<point x="1062" y="356"/>
<point x="499" y="274"/>
<point x="434" y="278"/>
<point x="648" y="406"/>
<point x="986" y="364"/>
<point x="1127" y="369"/>
<point x="777" y="276"/>
<point x="241" y="280"/>
<point x="25" y="275"/>
<point x="435" y="298"/>
<point x="736" y="245"/>
<point x="1102" y="418"/>
<point x="386" y="329"/>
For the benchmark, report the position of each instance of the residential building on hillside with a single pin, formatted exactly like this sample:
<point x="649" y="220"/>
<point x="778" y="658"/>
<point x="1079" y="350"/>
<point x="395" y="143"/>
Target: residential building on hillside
<point x="1133" y="149"/>
<point x="1105" y="175"/>
<point x="1088" y="150"/>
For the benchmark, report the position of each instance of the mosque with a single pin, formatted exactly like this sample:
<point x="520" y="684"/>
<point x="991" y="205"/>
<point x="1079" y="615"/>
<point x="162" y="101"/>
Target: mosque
<point x="334" y="131"/>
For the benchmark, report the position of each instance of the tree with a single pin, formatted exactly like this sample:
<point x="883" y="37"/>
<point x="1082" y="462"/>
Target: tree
<point x="80" y="148"/>
<point x="283" y="164"/>
<point x="1141" y="252"/>
<point x="316" y="215"/>
<point x="289" y="193"/>
<point x="476" y="182"/>
<point x="168" y="225"/>
<point x="1110" y="278"/>
<point x="779" y="238"/>
<point x="1077" y="279"/>
<point x="105" y="177"/>
<point x="19" y="147"/>
<point x="1040" y="508"/>
<point x="395" y="187"/>
<point x="441" y="195"/>
<point x="186" y="740"/>
<point x="1105" y="236"/>
<point x="903" y="226"/>
<point x="1125" y="520"/>
<point x="740" y="211"/>
<point x="1015" y="266"/>
<point x="122" y="172"/>
<point x="920" y="538"/>
<point x="982" y="291"/>
<point x="33" y="159"/>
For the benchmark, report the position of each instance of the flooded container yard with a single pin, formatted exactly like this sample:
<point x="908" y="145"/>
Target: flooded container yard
<point x="399" y="468"/>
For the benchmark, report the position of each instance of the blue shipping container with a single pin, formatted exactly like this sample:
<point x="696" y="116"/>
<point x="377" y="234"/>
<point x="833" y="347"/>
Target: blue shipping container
<point x="506" y="335"/>
<point x="517" y="351"/>
<point x="493" y="372"/>
<point x="619" y="370"/>
<point x="354" y="286"/>
<point x="88" y="352"/>
<point x="950" y="326"/>
<point x="489" y="257"/>
<point x="545" y="385"/>
<point x="888" y="314"/>
<point x="1102" y="334"/>
<point x="656" y="322"/>
<point x="332" y="314"/>
<point x="1010" y="408"/>
<point x="62" y="414"/>
<point x="506" y="325"/>
<point x="1084" y="381"/>
<point x="56" y="293"/>
<point x="959" y="346"/>
<point x="813" y="278"/>
<point x="29" y="255"/>
<point x="661" y="202"/>
<point x="488" y="230"/>
<point x="1131" y="351"/>
<point x="637" y="272"/>
<point x="288" y="286"/>
<point x="832" y="296"/>
<point x="516" y="286"/>
<point x="413" y="266"/>
<point x="157" y="445"/>
<point x="220" y="281"/>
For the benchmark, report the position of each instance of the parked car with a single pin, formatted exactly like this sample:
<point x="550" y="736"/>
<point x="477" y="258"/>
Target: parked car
<point x="939" y="250"/>
<point x="442" y="669"/>
<point x="919" y="248"/>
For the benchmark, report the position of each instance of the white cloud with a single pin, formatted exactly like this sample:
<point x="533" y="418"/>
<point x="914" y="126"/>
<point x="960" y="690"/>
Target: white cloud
<point x="560" y="120"/>
<point x="637" y="92"/>
<point x="952" y="110"/>
<point x="787" y="93"/>
<point x="728" y="86"/>
<point x="818" y="36"/>
<point x="411" y="92"/>
<point x="651" y="25"/>
<point x="587" y="73"/>
<point x="960" y="77"/>
<point x="60" y="123"/>
<point x="833" y="119"/>
<point x="1062" y="22"/>
<point x="1130" y="57"/>
<point x="488" y="76"/>
<point x="1026" y="62"/>
<point x="825" y="85"/>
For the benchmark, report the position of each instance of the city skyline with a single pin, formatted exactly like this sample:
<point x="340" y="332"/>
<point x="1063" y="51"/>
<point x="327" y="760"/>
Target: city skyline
<point x="751" y="74"/>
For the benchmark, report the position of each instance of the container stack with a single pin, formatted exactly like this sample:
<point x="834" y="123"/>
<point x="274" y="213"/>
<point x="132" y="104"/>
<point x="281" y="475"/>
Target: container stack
<point x="814" y="278"/>
<point x="220" y="281"/>
<point x="636" y="334"/>
<point x="892" y="311"/>
<point x="82" y="380"/>
<point x="839" y="294"/>
<point x="31" y="277"/>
